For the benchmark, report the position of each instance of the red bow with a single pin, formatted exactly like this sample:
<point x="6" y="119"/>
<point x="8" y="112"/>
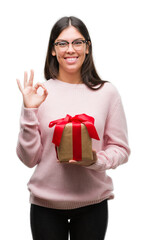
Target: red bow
<point x="88" y="121"/>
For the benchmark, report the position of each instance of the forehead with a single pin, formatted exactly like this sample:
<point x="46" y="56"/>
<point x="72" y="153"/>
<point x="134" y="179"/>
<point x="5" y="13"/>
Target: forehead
<point x="70" y="33"/>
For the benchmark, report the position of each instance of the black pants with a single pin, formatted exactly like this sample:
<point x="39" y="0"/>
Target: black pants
<point x="85" y="223"/>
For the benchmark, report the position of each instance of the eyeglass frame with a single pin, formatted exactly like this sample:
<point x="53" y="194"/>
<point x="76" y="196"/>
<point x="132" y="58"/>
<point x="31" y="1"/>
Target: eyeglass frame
<point x="82" y="40"/>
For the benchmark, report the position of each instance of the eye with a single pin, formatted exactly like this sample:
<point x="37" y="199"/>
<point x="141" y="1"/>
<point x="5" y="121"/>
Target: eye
<point x="62" y="44"/>
<point x="78" y="42"/>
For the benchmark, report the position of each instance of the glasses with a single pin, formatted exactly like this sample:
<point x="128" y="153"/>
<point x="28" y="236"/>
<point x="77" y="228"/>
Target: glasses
<point x="64" y="45"/>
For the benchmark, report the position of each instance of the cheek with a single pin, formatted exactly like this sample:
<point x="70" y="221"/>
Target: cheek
<point x="59" y="57"/>
<point x="83" y="56"/>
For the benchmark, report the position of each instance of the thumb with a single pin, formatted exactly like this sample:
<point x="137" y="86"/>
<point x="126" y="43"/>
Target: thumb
<point x="44" y="95"/>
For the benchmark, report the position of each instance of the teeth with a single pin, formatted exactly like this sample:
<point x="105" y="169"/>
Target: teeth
<point x="71" y="59"/>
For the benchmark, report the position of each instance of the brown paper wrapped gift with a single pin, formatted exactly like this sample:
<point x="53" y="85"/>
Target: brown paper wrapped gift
<point x="72" y="138"/>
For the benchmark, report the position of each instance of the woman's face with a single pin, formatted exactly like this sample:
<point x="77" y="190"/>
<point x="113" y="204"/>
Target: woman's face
<point x="71" y="56"/>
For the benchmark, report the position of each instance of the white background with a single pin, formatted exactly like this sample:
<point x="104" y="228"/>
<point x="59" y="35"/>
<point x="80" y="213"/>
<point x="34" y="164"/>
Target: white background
<point x="118" y="31"/>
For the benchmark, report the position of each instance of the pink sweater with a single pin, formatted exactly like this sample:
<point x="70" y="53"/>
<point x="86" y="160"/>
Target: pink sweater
<point x="68" y="186"/>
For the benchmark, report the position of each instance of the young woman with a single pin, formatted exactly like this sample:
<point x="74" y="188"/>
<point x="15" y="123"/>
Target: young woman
<point x="70" y="197"/>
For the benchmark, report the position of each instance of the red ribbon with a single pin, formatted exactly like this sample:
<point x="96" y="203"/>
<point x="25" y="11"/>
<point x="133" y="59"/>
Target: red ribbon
<point x="88" y="121"/>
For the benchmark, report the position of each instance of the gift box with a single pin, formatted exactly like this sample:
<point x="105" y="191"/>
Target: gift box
<point x="73" y="137"/>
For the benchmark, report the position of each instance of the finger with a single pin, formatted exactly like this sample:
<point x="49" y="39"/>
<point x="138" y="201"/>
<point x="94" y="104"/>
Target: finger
<point x="19" y="85"/>
<point x="73" y="161"/>
<point x="94" y="155"/>
<point x="94" y="150"/>
<point x="44" y="95"/>
<point x="25" y="79"/>
<point x="37" y="85"/>
<point x="31" y="78"/>
<point x="45" y="92"/>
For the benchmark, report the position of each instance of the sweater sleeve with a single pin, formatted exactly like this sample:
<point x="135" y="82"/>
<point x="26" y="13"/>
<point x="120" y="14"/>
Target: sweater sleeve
<point x="29" y="147"/>
<point x="116" y="149"/>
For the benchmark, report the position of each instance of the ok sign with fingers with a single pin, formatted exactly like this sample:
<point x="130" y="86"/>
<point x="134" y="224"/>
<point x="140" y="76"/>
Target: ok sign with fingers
<point x="31" y="98"/>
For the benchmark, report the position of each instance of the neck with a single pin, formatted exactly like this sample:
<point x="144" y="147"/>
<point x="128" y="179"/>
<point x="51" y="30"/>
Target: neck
<point x="74" y="78"/>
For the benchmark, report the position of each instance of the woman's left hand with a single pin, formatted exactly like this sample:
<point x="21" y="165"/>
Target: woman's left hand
<point x="85" y="163"/>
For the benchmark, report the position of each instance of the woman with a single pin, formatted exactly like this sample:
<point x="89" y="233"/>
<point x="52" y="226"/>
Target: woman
<point x="70" y="197"/>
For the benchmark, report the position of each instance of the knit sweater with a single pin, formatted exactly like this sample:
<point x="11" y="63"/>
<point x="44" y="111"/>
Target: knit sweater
<point x="63" y="185"/>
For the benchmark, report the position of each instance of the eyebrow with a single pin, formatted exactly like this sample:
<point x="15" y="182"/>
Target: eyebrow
<point x="58" y="40"/>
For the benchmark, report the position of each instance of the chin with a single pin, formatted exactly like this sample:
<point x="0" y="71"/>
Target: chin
<point x="73" y="69"/>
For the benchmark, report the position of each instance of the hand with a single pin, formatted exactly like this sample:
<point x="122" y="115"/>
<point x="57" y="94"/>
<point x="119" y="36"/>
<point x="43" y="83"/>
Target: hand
<point x="31" y="98"/>
<point x="84" y="163"/>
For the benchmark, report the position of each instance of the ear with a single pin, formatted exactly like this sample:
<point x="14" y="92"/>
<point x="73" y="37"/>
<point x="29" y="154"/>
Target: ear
<point x="87" y="47"/>
<point x="53" y="52"/>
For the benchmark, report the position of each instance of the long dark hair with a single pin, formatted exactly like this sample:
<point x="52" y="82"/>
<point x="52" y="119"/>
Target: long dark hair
<point x="88" y="71"/>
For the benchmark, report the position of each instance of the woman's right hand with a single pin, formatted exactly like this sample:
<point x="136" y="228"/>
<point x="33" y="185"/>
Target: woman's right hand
<point x="31" y="98"/>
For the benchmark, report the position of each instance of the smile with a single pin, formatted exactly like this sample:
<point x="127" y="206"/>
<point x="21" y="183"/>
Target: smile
<point x="71" y="59"/>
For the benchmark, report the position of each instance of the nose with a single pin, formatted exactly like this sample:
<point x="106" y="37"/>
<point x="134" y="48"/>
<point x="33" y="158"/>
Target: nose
<point x="70" y="48"/>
